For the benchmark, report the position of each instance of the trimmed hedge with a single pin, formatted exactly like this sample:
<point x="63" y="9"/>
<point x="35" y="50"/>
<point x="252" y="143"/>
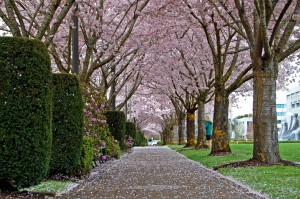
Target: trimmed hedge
<point x="87" y="156"/>
<point x="140" y="140"/>
<point x="131" y="129"/>
<point x="117" y="126"/>
<point x="68" y="125"/>
<point x="25" y="111"/>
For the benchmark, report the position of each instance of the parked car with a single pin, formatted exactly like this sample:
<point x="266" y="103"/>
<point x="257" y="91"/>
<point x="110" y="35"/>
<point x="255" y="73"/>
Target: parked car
<point x="153" y="143"/>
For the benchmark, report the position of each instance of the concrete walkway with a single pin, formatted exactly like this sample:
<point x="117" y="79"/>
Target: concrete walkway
<point x="158" y="172"/>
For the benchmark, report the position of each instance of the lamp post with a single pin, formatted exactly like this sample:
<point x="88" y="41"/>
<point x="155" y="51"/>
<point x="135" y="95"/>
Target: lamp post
<point x="75" y="54"/>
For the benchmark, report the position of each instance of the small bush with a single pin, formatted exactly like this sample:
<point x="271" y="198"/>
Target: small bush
<point x="68" y="125"/>
<point x="25" y="111"/>
<point x="131" y="129"/>
<point x="117" y="126"/>
<point x="112" y="147"/>
<point x="160" y="143"/>
<point x="140" y="140"/>
<point x="95" y="123"/>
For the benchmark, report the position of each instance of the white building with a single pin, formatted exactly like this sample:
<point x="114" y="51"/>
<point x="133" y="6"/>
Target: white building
<point x="243" y="127"/>
<point x="293" y="100"/>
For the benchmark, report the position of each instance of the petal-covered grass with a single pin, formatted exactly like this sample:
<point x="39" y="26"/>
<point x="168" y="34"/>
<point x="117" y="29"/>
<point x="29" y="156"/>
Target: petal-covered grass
<point x="276" y="181"/>
<point x="50" y="186"/>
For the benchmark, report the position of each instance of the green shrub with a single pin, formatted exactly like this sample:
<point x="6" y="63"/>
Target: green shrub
<point x="140" y="140"/>
<point x="131" y="129"/>
<point x="87" y="156"/>
<point x="242" y="141"/>
<point x="112" y="147"/>
<point x="25" y="111"/>
<point x="68" y="125"/>
<point x="160" y="143"/>
<point x="290" y="141"/>
<point x="94" y="119"/>
<point x="117" y="125"/>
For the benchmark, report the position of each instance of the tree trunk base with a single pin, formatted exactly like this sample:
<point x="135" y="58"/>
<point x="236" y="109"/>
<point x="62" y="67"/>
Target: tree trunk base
<point x="220" y="154"/>
<point x="253" y="162"/>
<point x="189" y="145"/>
<point x="201" y="146"/>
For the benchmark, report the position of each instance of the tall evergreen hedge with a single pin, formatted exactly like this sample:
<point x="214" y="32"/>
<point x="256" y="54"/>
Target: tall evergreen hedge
<point x="87" y="156"/>
<point x="140" y="140"/>
<point x="117" y="125"/>
<point x="25" y="111"/>
<point x="68" y="125"/>
<point x="131" y="129"/>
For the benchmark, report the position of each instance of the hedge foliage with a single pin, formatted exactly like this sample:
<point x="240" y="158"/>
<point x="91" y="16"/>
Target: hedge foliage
<point x="87" y="156"/>
<point x="131" y="129"/>
<point x="117" y="125"/>
<point x="140" y="140"/>
<point x="112" y="147"/>
<point x="68" y="125"/>
<point x="25" y="111"/>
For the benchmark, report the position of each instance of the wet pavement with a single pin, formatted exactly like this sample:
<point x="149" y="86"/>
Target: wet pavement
<point x="157" y="172"/>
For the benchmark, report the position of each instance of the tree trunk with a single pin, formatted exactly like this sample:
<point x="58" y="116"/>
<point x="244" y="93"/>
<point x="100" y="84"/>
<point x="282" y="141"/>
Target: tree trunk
<point x="164" y="137"/>
<point x="220" y="136"/>
<point x="171" y="135"/>
<point x="201" y="140"/>
<point x="266" y="147"/>
<point x="190" y="128"/>
<point x="180" y="118"/>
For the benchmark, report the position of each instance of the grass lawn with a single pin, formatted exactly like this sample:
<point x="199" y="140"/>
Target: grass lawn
<point x="50" y="186"/>
<point x="276" y="181"/>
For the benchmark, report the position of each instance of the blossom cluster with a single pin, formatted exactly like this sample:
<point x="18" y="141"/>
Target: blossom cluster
<point x="95" y="120"/>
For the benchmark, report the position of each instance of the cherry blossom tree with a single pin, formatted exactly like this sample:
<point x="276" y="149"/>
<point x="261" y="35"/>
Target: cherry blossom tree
<point x="230" y="68"/>
<point x="105" y="28"/>
<point x="195" y="61"/>
<point x="271" y="31"/>
<point x="180" y="116"/>
<point x="37" y="19"/>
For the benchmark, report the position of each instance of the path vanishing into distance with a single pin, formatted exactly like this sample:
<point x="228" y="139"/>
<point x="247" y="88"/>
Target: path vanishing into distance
<point x="158" y="172"/>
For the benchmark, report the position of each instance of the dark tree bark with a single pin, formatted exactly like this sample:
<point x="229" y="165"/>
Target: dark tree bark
<point x="180" y="115"/>
<point x="266" y="147"/>
<point x="190" y="128"/>
<point x="201" y="139"/>
<point x="220" y="136"/>
<point x="180" y="118"/>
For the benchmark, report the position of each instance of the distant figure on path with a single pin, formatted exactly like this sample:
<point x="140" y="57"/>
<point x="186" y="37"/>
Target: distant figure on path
<point x="208" y="129"/>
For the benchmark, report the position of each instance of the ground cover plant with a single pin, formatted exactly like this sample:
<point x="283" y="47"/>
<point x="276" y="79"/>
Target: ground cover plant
<point x="276" y="181"/>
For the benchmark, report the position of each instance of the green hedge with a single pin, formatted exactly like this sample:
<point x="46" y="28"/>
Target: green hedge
<point x="140" y="140"/>
<point x="25" y="111"/>
<point x="131" y="129"/>
<point x="68" y="125"/>
<point x="117" y="125"/>
<point x="87" y="156"/>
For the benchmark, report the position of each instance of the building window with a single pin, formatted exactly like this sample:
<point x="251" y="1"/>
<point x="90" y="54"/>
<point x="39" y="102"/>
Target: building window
<point x="278" y="121"/>
<point x="293" y="105"/>
<point x="280" y="105"/>
<point x="280" y="114"/>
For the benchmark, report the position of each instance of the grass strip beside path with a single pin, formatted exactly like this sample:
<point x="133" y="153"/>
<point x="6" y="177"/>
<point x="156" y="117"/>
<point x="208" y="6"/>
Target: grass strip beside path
<point x="50" y="186"/>
<point x="276" y="181"/>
